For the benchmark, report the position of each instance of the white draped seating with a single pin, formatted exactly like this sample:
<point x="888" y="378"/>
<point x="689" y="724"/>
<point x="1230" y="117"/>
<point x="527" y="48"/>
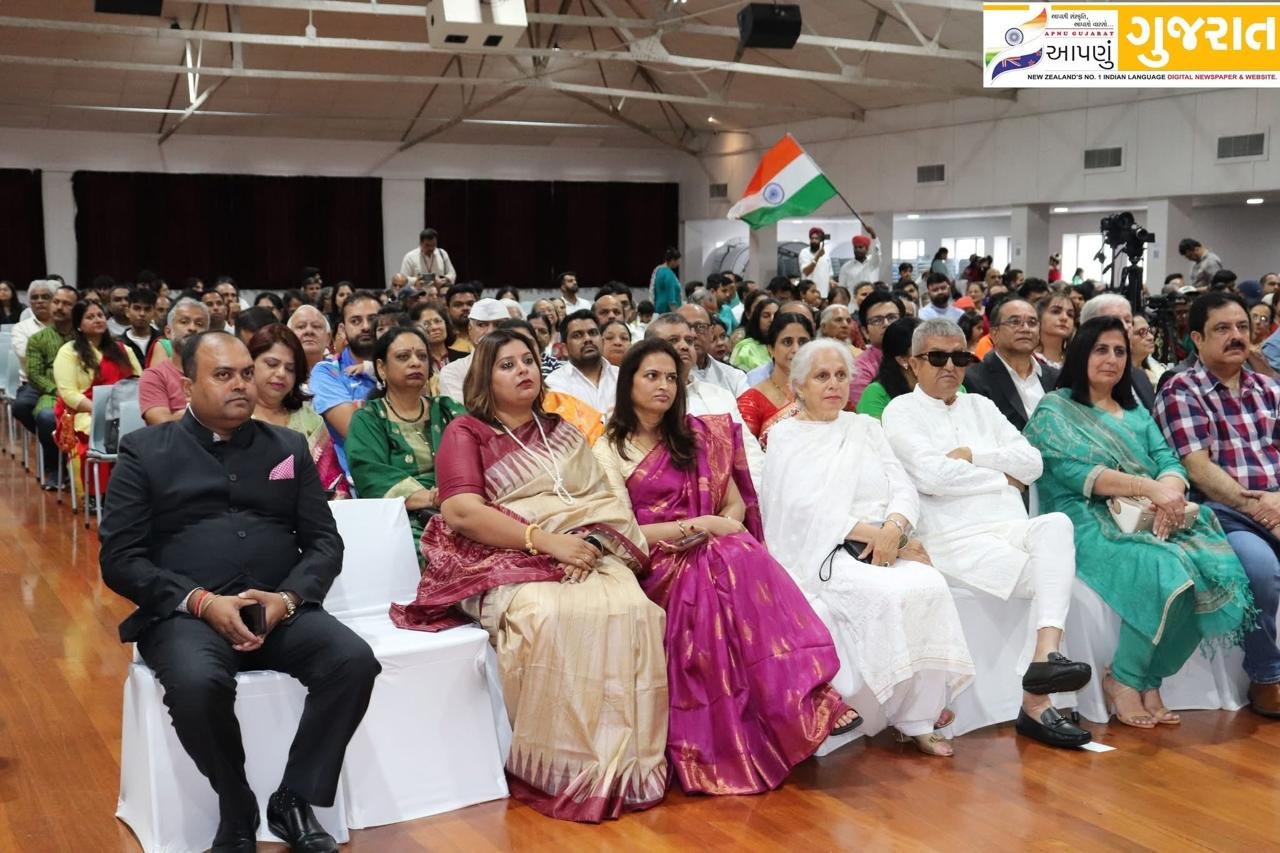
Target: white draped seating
<point x="434" y="738"/>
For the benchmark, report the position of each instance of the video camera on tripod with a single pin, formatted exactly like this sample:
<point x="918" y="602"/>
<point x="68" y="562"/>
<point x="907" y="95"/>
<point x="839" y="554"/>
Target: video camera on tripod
<point x="1122" y="233"/>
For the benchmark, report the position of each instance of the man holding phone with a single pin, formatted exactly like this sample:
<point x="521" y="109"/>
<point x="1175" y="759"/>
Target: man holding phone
<point x="815" y="263"/>
<point x="216" y="526"/>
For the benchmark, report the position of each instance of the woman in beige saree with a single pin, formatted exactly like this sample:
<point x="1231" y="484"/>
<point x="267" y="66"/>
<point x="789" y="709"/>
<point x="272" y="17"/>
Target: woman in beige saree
<point x="532" y="544"/>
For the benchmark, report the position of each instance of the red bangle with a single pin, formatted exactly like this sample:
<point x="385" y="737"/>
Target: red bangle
<point x="197" y="606"/>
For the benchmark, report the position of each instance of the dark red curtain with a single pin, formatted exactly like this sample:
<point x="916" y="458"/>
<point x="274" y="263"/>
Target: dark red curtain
<point x="22" y="232"/>
<point x="524" y="233"/>
<point x="260" y="230"/>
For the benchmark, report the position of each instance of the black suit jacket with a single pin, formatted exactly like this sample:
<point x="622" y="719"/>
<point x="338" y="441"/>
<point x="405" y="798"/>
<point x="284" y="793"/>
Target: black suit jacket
<point x="184" y="511"/>
<point x="991" y="379"/>
<point x="1142" y="388"/>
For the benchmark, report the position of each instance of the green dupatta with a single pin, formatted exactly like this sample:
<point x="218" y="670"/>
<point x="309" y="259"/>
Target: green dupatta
<point x="1137" y="574"/>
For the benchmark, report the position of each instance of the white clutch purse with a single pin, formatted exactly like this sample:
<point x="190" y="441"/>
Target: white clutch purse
<point x="1137" y="515"/>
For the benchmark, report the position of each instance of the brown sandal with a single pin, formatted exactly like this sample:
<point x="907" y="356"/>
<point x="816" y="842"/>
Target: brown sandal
<point x="931" y="744"/>
<point x="1112" y="690"/>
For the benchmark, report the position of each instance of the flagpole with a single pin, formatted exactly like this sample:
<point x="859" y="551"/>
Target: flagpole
<point x="840" y="195"/>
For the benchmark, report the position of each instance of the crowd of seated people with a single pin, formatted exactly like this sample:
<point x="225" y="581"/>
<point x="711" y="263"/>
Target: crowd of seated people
<point x="758" y="506"/>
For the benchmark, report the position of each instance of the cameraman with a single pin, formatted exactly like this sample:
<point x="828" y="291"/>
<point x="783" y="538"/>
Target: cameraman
<point x="815" y="264"/>
<point x="429" y="263"/>
<point x="1204" y="263"/>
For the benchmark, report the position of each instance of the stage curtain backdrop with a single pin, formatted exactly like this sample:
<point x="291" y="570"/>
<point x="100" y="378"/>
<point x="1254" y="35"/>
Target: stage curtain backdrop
<point x="22" y="233"/>
<point x="524" y="233"/>
<point x="261" y="230"/>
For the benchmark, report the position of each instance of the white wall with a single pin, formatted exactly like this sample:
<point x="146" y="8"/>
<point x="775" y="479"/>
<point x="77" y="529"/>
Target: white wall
<point x="61" y="153"/>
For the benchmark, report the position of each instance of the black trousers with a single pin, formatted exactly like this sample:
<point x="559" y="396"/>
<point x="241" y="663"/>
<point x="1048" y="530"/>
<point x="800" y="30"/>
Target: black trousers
<point x="24" y="412"/>
<point x="197" y="668"/>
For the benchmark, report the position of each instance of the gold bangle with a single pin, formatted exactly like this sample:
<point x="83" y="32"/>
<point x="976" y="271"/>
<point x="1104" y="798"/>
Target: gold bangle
<point x="528" y="539"/>
<point x="680" y="525"/>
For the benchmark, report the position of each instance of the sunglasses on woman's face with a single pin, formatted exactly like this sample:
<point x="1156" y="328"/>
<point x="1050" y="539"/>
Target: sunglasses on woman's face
<point x="960" y="358"/>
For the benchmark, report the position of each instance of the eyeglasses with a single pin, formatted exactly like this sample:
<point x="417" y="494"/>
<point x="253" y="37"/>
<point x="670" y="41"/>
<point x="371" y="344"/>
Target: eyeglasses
<point x="883" y="319"/>
<point x="699" y="327"/>
<point x="938" y="358"/>
<point x="1020" y="323"/>
<point x="1145" y="332"/>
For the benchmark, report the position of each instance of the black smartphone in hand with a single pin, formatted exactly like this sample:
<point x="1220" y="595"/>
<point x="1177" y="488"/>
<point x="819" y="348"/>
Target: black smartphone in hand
<point x="254" y="617"/>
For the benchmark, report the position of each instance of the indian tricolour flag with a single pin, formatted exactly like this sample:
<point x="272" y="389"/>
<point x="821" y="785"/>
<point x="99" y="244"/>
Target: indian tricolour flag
<point x="786" y="183"/>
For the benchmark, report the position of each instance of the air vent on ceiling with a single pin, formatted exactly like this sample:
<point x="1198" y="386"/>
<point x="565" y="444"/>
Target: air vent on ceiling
<point x="1247" y="145"/>
<point x="1103" y="158"/>
<point x="719" y="190"/>
<point x="935" y="174"/>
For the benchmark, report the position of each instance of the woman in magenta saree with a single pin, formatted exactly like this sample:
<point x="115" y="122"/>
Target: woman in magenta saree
<point x="748" y="661"/>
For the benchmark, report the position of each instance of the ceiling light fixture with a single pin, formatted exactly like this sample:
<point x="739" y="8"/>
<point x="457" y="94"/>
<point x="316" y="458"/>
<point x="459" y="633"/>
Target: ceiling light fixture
<point x="1253" y="201"/>
<point x="1062" y="210"/>
<point x="311" y="27"/>
<point x="712" y="119"/>
<point x="913" y="216"/>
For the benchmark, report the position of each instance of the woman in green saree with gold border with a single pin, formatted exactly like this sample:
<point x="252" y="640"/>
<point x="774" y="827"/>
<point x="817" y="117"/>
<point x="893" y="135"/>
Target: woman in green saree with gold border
<point x="392" y="438"/>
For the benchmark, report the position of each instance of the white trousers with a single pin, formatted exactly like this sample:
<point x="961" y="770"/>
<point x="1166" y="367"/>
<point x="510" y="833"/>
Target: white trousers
<point x="1051" y="569"/>
<point x="917" y="703"/>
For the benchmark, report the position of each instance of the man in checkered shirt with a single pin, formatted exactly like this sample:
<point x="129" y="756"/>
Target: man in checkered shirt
<point x="1223" y="419"/>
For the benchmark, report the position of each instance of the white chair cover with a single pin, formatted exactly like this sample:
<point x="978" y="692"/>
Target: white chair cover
<point x="164" y="799"/>
<point x="1093" y="632"/>
<point x="435" y="737"/>
<point x="436" y="734"/>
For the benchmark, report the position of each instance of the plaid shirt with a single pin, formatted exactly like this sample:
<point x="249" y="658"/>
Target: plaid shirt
<point x="1240" y="431"/>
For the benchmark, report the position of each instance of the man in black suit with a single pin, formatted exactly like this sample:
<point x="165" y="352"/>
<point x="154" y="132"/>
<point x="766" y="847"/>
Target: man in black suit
<point x="1010" y="376"/>
<point x="208" y="515"/>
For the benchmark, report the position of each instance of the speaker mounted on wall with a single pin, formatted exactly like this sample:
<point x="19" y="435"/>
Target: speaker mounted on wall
<point x="769" y="25"/>
<point x="129" y="7"/>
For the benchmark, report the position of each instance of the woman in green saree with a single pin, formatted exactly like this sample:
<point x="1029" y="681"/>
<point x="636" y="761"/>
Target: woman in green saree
<point x="1173" y="587"/>
<point x="392" y="438"/>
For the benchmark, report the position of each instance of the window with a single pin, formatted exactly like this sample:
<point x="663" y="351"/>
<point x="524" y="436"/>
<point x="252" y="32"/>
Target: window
<point x="1000" y="252"/>
<point x="1080" y="250"/>
<point x="907" y="250"/>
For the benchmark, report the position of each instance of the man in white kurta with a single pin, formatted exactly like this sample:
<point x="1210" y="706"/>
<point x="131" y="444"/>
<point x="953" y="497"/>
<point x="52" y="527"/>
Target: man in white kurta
<point x="970" y="465"/>
<point x="705" y="398"/>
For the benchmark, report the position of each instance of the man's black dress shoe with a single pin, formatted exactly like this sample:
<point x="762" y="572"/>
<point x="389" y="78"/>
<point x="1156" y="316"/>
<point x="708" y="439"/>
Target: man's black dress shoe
<point x="236" y="836"/>
<point x="1052" y="728"/>
<point x="291" y="819"/>
<point x="1056" y="675"/>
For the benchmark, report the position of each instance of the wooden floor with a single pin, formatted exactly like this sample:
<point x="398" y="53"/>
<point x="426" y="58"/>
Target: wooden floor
<point x="1214" y="783"/>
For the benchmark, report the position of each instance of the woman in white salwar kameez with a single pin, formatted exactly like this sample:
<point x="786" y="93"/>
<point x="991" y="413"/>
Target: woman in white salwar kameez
<point x="830" y="477"/>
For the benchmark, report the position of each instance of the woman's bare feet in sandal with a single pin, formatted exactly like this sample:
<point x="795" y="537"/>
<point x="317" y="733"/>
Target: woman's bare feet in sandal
<point x="946" y="718"/>
<point x="1127" y="704"/>
<point x="848" y="720"/>
<point x="933" y="744"/>
<point x="1156" y="708"/>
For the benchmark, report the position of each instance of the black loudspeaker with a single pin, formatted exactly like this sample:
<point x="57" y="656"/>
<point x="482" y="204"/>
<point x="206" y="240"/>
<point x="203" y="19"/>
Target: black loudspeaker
<point x="129" y="7"/>
<point x="769" y="24"/>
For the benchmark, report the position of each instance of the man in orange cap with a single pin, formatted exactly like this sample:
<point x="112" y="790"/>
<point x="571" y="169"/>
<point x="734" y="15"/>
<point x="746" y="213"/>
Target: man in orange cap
<point x="865" y="265"/>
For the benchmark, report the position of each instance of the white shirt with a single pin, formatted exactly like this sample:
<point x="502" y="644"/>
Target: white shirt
<point x="951" y="312"/>
<point x="570" y="380"/>
<point x="725" y="376"/>
<point x="578" y="304"/>
<point x="437" y="263"/>
<point x="855" y="271"/>
<point x="1029" y="390"/>
<point x="821" y="274"/>
<point x="116" y="329"/>
<point x="969" y="511"/>
<point x="453" y="376"/>
<point x="22" y="333"/>
<point x="704" y="398"/>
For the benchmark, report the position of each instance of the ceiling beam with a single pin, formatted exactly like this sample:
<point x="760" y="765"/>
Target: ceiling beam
<point x="191" y="110"/>
<point x="462" y="114"/>
<point x="410" y="80"/>
<point x="615" y="114"/>
<point x="686" y="24"/>
<point x="406" y="10"/>
<point x="852" y="77"/>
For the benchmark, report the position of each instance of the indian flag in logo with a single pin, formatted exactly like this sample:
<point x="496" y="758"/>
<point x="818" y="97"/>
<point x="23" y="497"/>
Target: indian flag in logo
<point x="786" y="183"/>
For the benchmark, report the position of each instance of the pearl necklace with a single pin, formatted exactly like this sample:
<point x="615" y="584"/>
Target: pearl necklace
<point x="552" y="470"/>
